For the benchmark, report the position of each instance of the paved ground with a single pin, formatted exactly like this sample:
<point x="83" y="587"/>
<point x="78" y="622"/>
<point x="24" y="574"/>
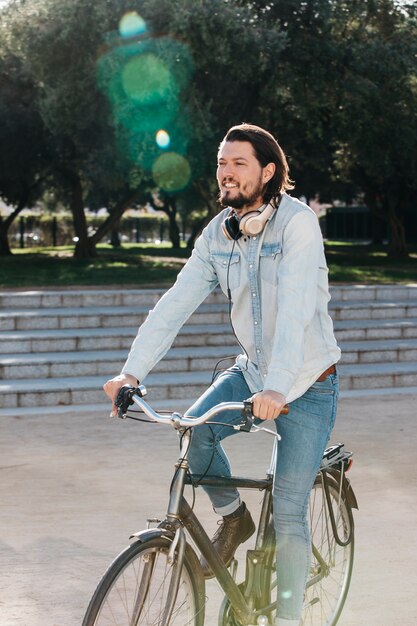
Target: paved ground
<point x="73" y="488"/>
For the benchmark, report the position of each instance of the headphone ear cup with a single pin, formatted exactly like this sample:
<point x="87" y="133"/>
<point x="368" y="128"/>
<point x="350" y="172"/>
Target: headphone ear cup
<point x="231" y="228"/>
<point x="252" y="223"/>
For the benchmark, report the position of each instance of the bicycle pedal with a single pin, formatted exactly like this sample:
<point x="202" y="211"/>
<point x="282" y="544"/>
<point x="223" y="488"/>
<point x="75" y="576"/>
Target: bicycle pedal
<point x="311" y="603"/>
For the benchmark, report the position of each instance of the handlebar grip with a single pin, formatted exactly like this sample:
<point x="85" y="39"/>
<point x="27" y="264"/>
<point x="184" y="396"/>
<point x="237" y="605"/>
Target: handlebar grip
<point x="248" y="408"/>
<point x="124" y="400"/>
<point x="249" y="416"/>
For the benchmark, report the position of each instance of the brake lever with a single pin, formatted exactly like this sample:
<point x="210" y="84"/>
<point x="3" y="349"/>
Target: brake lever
<point x="256" y="429"/>
<point x="249" y="426"/>
<point x="248" y="416"/>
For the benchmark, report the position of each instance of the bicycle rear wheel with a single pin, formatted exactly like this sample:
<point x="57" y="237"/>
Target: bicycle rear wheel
<point x="134" y="590"/>
<point x="331" y="566"/>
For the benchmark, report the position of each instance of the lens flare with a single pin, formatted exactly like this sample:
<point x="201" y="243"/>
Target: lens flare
<point x="132" y="25"/>
<point x="286" y="595"/>
<point x="143" y="78"/>
<point x="171" y="172"/>
<point x="162" y="139"/>
<point x="146" y="79"/>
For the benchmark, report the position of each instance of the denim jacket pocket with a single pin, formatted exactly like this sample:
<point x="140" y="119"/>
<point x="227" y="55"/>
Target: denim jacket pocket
<point x="227" y="268"/>
<point x="269" y="259"/>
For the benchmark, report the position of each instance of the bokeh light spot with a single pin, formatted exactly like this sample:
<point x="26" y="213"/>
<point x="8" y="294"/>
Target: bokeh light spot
<point x="162" y="139"/>
<point x="171" y="172"/>
<point x="132" y="25"/>
<point x="146" y="79"/>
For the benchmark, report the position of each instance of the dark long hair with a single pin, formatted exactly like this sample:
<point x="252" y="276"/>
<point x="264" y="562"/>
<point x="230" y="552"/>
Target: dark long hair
<point x="267" y="150"/>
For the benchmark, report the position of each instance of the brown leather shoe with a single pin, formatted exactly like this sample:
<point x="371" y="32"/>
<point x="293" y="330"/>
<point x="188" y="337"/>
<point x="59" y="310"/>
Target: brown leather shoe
<point x="231" y="533"/>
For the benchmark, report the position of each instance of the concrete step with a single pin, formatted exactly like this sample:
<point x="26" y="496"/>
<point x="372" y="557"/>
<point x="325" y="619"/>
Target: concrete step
<point x="187" y="359"/>
<point x="120" y="338"/>
<point x="98" y="317"/>
<point x="108" y="362"/>
<point x="60" y="346"/>
<point x="374" y="292"/>
<point x="178" y="386"/>
<point x="207" y="313"/>
<point x="69" y="339"/>
<point x="355" y="330"/>
<point x="88" y="389"/>
<point x="87" y="297"/>
<point x="390" y="351"/>
<point x="213" y="311"/>
<point x="365" y="310"/>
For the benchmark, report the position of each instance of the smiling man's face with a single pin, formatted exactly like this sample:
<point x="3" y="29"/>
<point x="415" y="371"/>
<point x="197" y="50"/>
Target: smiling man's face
<point x="240" y="176"/>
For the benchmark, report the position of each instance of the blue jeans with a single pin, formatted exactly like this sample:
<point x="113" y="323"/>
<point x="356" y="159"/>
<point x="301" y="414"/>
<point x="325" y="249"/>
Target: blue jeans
<point x="305" y="432"/>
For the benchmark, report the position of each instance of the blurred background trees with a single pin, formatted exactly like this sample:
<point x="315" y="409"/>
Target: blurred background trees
<point x="122" y="104"/>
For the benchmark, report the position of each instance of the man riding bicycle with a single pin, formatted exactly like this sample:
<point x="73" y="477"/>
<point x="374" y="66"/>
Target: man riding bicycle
<point x="265" y="250"/>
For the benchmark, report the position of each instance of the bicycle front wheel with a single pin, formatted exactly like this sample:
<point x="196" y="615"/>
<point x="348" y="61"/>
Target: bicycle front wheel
<point x="331" y="566"/>
<point x="134" y="590"/>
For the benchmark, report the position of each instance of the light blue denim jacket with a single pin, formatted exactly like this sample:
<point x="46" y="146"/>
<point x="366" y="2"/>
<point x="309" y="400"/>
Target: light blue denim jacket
<point x="278" y="283"/>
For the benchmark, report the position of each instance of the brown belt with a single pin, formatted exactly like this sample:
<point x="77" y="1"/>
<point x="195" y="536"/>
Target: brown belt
<point x="326" y="373"/>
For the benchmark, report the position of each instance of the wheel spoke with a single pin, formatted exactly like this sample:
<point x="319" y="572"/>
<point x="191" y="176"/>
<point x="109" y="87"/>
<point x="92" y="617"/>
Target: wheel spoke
<point x="324" y="599"/>
<point x="331" y="564"/>
<point x="134" y="592"/>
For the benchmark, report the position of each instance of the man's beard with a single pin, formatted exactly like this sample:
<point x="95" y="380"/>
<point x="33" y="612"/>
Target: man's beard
<point x="241" y="199"/>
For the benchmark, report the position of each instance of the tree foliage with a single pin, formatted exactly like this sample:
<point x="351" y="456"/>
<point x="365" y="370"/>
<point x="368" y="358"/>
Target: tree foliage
<point x="375" y="124"/>
<point x="96" y="83"/>
<point x="23" y="140"/>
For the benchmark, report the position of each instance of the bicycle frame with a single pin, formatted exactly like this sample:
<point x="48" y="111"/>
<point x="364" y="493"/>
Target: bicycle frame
<point x="180" y="514"/>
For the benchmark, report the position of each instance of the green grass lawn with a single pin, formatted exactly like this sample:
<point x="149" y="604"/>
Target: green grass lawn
<point x="157" y="265"/>
<point x="54" y="267"/>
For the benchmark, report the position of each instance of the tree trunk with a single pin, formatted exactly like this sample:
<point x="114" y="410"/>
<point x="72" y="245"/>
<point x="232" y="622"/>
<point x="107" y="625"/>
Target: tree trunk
<point x="174" y="231"/>
<point x="377" y="216"/>
<point x="398" y="245"/>
<point x="111" y="222"/>
<point x="170" y="208"/>
<point x="196" y="230"/>
<point x="5" y="224"/>
<point x="84" y="247"/>
<point x="377" y="229"/>
<point x="206" y="196"/>
<point x="4" y="239"/>
<point x="115" y="238"/>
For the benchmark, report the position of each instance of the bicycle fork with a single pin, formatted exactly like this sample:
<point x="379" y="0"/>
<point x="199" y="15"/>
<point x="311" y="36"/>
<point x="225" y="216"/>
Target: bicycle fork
<point x="175" y="560"/>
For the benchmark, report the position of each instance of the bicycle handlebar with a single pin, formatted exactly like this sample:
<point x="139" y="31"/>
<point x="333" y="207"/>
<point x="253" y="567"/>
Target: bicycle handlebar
<point x="128" y="395"/>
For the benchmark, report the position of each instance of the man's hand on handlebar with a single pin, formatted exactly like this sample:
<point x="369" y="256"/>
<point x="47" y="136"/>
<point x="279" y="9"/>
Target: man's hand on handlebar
<point x="267" y="404"/>
<point x="112" y="387"/>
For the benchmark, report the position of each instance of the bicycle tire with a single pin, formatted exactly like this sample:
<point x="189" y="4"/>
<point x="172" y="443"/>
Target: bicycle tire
<point x="324" y="600"/>
<point x="133" y="589"/>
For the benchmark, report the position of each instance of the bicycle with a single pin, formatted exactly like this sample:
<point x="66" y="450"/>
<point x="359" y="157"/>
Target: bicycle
<point x="157" y="580"/>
